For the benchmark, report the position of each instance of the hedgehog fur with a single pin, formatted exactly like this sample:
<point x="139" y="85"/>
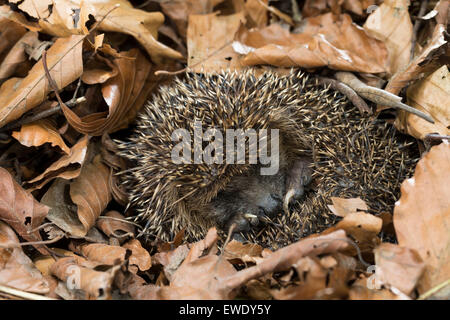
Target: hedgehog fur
<point x="352" y="156"/>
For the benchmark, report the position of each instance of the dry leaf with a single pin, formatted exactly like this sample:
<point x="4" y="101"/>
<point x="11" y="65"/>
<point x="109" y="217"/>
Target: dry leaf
<point x="238" y="252"/>
<point x="391" y="23"/>
<point x="342" y="207"/>
<point x="67" y="167"/>
<point x="431" y="95"/>
<point x="65" y="64"/>
<point x="140" y="258"/>
<point x="103" y="253"/>
<point x="398" y="267"/>
<point x="422" y="215"/>
<point x="209" y="40"/>
<point x="113" y="227"/>
<point x="360" y="291"/>
<point x="16" y="269"/>
<point x="19" y="209"/>
<point x="325" y="41"/>
<point x="38" y="133"/>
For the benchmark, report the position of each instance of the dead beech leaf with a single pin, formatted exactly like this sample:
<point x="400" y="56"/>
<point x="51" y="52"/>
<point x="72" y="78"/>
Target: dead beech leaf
<point x="360" y="291"/>
<point x="11" y="33"/>
<point x="209" y="42"/>
<point x="90" y="192"/>
<point x="114" y="227"/>
<point x="398" y="267"/>
<point x="67" y="167"/>
<point x="238" y="252"/>
<point x="391" y="23"/>
<point x="16" y="269"/>
<point x="179" y="11"/>
<point x="103" y="253"/>
<point x="19" y="209"/>
<point x="38" y="133"/>
<point x="96" y="284"/>
<point x="325" y="41"/>
<point x="361" y="226"/>
<point x="342" y="207"/>
<point x="16" y="56"/>
<point x="422" y="215"/>
<point x="431" y="95"/>
<point x="140" y="258"/>
<point x="19" y="95"/>
<point x="124" y="94"/>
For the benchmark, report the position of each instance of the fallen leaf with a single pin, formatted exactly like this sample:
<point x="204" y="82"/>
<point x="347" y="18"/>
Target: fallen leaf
<point x="140" y="258"/>
<point x="342" y="207"/>
<point x="422" y="215"/>
<point x="113" y="227"/>
<point x="430" y="95"/>
<point x="19" y="209"/>
<point x="238" y="252"/>
<point x="16" y="269"/>
<point x="398" y="267"/>
<point x="209" y="42"/>
<point x="19" y="95"/>
<point x="391" y="23"/>
<point x="360" y="291"/>
<point x="324" y="41"/>
<point x="38" y="133"/>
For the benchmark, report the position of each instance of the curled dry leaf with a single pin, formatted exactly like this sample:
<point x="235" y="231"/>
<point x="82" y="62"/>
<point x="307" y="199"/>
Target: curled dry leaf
<point x="398" y="267"/>
<point x="140" y="258"/>
<point x="209" y="42"/>
<point x="422" y="215"/>
<point x="111" y="225"/>
<point x="38" y="133"/>
<point x="19" y="95"/>
<point x="342" y="207"/>
<point x="360" y="291"/>
<point x="89" y="192"/>
<point x="124" y="94"/>
<point x="19" y="209"/>
<point x="391" y="23"/>
<point x="16" y="269"/>
<point x="325" y="40"/>
<point x="11" y="33"/>
<point x="16" y="56"/>
<point x="102" y="253"/>
<point x="67" y="167"/>
<point x="95" y="283"/>
<point x="432" y="95"/>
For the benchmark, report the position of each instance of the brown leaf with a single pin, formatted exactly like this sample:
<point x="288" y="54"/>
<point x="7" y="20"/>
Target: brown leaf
<point x="391" y="24"/>
<point x="124" y="94"/>
<point x="360" y="291"/>
<point x="398" y="267"/>
<point x="114" y="227"/>
<point x="431" y="95"/>
<point x="209" y="40"/>
<point x="179" y="11"/>
<point x="325" y="41"/>
<point x="342" y="207"/>
<point x="422" y="214"/>
<point x="19" y="209"/>
<point x="65" y="64"/>
<point x="67" y="167"/>
<point x="103" y="253"/>
<point x="16" y="56"/>
<point x="16" y="269"/>
<point x="95" y="283"/>
<point x="238" y="252"/>
<point x="140" y="258"/>
<point x="11" y="33"/>
<point x="38" y="133"/>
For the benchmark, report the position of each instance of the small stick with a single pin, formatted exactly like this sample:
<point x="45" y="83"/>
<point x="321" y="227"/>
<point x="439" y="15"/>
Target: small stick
<point x="348" y="92"/>
<point x="31" y="243"/>
<point x="23" y="294"/>
<point x="423" y="7"/>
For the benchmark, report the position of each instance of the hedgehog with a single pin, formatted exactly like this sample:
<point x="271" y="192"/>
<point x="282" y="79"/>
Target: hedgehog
<point x="256" y="154"/>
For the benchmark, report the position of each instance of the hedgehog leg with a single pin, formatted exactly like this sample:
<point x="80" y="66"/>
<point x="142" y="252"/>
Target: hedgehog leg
<point x="297" y="177"/>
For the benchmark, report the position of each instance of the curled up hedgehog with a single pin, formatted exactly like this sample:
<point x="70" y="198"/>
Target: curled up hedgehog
<point x="262" y="154"/>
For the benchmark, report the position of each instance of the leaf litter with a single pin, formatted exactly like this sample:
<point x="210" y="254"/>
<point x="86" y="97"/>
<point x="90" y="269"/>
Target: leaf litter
<point x="74" y="72"/>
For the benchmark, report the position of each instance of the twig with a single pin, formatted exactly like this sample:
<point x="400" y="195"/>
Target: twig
<point x="377" y="95"/>
<point x="31" y="243"/>
<point x="23" y="294"/>
<point x="348" y="92"/>
<point x="433" y="290"/>
<point x="423" y="8"/>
